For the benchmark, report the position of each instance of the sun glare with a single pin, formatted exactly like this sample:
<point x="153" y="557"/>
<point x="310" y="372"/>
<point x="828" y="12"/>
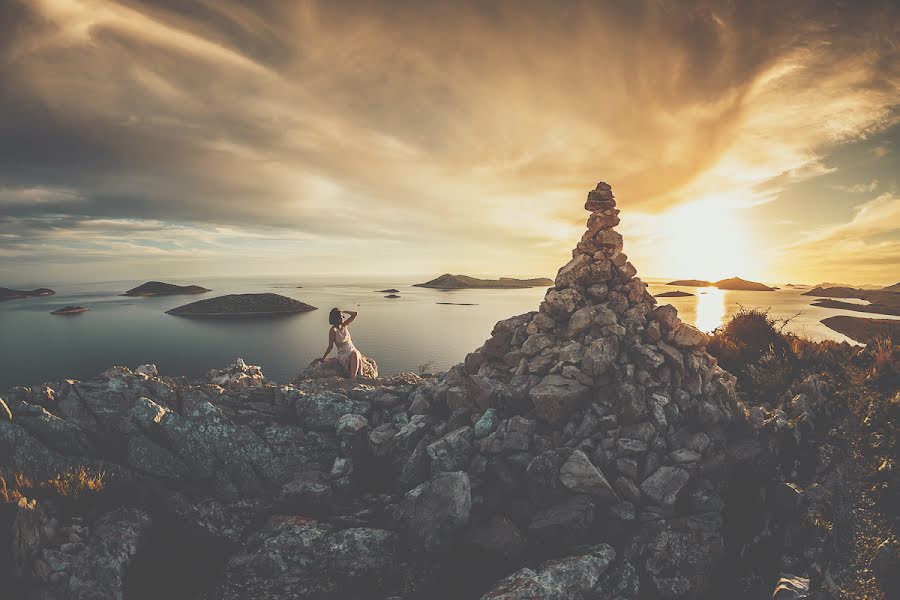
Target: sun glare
<point x="706" y="240"/>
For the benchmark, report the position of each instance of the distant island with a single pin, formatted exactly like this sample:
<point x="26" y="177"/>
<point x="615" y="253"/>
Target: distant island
<point x="8" y="294"/>
<point x="159" y="288"/>
<point x="891" y="288"/>
<point x="732" y="283"/>
<point x="884" y="301"/>
<point x="862" y="329"/>
<point x="673" y="294"/>
<point x="392" y="296"/>
<point x="388" y="291"/>
<point x="242" y="305"/>
<point x="70" y="310"/>
<point x="459" y="282"/>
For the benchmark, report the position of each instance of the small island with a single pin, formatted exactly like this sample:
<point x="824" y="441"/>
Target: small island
<point x="8" y="294"/>
<point x="392" y="296"/>
<point x="242" y="305"/>
<point x="159" y="288"/>
<point x="861" y="329"/>
<point x="732" y="283"/>
<point x="461" y="282"/>
<point x="388" y="291"/>
<point x="70" y="310"/>
<point x="673" y="294"/>
<point x="883" y="302"/>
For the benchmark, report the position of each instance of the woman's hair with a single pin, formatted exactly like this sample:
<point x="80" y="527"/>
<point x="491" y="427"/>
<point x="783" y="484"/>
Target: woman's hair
<point x="334" y="317"/>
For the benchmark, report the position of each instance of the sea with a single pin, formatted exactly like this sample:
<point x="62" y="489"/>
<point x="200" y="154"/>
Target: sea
<point x="422" y="330"/>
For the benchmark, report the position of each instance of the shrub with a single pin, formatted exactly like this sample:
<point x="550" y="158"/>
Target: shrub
<point x="70" y="485"/>
<point x="885" y="356"/>
<point x="748" y="337"/>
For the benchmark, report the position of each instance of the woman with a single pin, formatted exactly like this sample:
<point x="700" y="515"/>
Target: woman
<point x="349" y="357"/>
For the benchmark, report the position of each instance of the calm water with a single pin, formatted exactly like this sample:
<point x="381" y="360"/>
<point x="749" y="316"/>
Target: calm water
<point x="400" y="334"/>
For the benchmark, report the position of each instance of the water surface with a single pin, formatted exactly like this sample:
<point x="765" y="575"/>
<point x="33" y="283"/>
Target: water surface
<point x="401" y="334"/>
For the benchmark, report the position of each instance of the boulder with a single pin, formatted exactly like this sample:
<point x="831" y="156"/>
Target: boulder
<point x="321" y="410"/>
<point x="556" y="397"/>
<point x="431" y="514"/>
<point x="581" y="476"/>
<point x="664" y="484"/>
<point x="564" y="524"/>
<point x="319" y="369"/>
<point x="569" y="578"/>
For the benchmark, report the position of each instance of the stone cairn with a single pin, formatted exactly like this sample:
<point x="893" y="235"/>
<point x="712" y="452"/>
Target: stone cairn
<point x="634" y="406"/>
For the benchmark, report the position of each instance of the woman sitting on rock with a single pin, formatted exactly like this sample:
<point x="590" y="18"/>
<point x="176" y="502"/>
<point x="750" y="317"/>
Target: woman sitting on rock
<point x="349" y="357"/>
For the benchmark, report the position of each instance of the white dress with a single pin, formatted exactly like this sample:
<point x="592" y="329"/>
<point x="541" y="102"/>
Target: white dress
<point x="345" y="346"/>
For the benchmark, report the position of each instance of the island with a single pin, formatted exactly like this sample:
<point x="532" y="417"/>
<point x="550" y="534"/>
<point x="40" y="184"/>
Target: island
<point x="388" y="291"/>
<point x="732" y="283"/>
<point x="8" y="294"/>
<point x="392" y="296"/>
<point x="159" y="288"/>
<point x="674" y="294"/>
<point x="882" y="302"/>
<point x="861" y="329"/>
<point x="242" y="305"/>
<point x="70" y="310"/>
<point x="460" y="282"/>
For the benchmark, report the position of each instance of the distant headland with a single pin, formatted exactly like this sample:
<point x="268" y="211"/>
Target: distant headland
<point x="70" y="310"/>
<point x="159" y="288"/>
<point x="8" y="294"/>
<point x="459" y="282"/>
<point x="732" y="283"/>
<point x="242" y="305"/>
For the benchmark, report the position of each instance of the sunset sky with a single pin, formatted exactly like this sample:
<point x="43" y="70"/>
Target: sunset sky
<point x="192" y="138"/>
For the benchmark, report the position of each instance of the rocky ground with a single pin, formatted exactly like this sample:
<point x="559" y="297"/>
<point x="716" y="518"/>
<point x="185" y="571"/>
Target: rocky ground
<point x="590" y="449"/>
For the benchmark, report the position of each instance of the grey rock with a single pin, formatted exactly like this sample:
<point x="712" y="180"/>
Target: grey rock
<point x="581" y="476"/>
<point x="664" y="484"/>
<point x="431" y="514"/>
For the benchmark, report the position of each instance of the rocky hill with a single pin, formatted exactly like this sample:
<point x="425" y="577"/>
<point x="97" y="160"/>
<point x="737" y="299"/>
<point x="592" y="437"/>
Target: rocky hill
<point x="591" y="449"/>
<point x="458" y="282"/>
<point x="242" y="305"/>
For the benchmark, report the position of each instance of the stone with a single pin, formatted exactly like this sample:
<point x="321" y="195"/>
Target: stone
<point x="791" y="587"/>
<point x="563" y="524"/>
<point x="561" y="303"/>
<point x="498" y="538"/>
<point x="319" y="369"/>
<point x="453" y="451"/>
<point x="545" y="487"/>
<point x="351" y="424"/>
<point x="581" y="476"/>
<point x="308" y="492"/>
<point x="633" y="407"/>
<point x="361" y="552"/>
<point x="486" y="423"/>
<point x="432" y="513"/>
<point x="556" y="397"/>
<point x="321" y="410"/>
<point x="569" y="578"/>
<point x="600" y="355"/>
<point x="536" y="343"/>
<point x="688" y="336"/>
<point x="664" y="484"/>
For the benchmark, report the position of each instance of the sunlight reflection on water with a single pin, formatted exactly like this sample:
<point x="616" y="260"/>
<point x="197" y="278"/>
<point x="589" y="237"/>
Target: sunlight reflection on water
<point x="710" y="309"/>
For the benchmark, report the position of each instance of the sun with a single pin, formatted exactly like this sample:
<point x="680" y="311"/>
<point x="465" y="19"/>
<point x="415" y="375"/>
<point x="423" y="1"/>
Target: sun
<point x="706" y="240"/>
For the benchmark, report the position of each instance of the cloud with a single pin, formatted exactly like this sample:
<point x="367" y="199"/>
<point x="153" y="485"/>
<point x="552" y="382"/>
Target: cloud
<point x="463" y="131"/>
<point x="858" y="188"/>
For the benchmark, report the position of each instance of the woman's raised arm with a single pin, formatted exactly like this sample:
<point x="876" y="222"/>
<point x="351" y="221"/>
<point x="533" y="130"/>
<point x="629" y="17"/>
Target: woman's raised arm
<point x="352" y="314"/>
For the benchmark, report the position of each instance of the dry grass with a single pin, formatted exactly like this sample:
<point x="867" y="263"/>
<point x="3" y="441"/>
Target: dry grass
<point x="885" y="357"/>
<point x="70" y="485"/>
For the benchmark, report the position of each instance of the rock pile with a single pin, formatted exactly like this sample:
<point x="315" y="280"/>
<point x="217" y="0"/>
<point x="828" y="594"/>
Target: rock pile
<point x="579" y="453"/>
<point x="238" y="375"/>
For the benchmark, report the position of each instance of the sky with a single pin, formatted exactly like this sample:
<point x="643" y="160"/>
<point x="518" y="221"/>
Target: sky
<point x="206" y="138"/>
